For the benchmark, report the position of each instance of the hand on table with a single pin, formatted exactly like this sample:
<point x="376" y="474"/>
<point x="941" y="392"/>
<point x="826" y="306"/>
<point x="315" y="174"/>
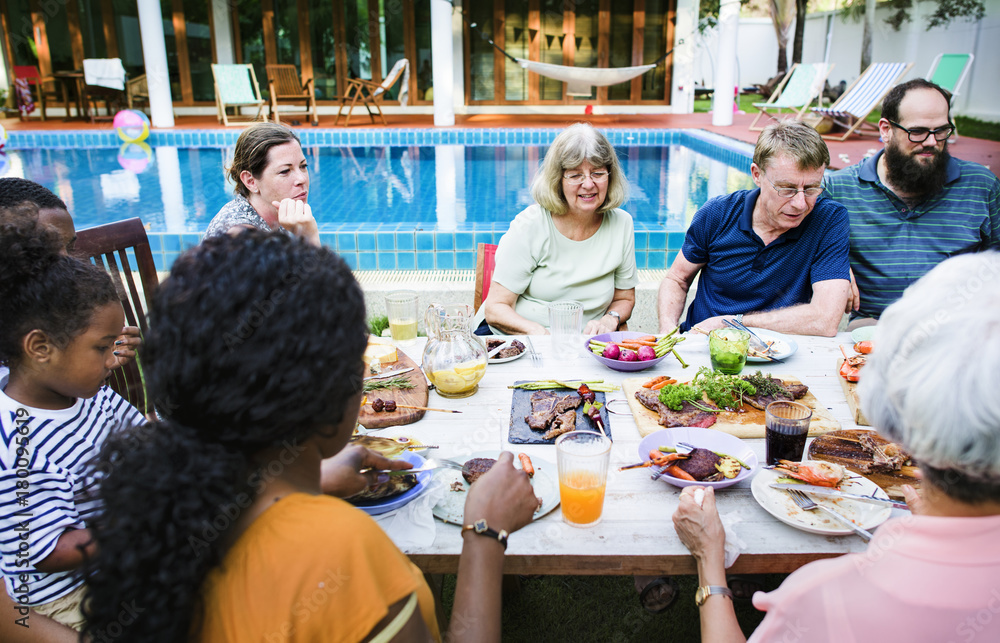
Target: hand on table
<point x="126" y="346"/>
<point x="503" y="497"/>
<point x="699" y="527"/>
<point x="599" y="327"/>
<point x="296" y="217"/>
<point x="712" y="323"/>
<point x="341" y="475"/>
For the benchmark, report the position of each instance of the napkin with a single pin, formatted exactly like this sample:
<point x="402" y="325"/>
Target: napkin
<point x="734" y="544"/>
<point x="412" y="525"/>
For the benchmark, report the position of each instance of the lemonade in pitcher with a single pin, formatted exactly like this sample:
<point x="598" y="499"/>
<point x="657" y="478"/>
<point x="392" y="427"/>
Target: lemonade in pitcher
<point x="453" y="360"/>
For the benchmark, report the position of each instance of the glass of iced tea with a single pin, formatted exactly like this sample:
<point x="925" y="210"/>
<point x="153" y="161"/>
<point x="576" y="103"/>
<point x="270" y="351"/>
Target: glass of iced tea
<point x="401" y="309"/>
<point x="786" y="425"/>
<point x="582" y="460"/>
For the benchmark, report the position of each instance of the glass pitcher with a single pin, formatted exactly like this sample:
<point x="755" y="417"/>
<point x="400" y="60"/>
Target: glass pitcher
<point x="454" y="360"/>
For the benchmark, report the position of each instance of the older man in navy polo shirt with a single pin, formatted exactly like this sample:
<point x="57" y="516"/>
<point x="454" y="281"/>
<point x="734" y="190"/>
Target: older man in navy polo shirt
<point x="775" y="257"/>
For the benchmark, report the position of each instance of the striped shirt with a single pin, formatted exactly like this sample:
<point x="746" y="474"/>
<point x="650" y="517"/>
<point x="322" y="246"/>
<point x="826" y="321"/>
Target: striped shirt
<point x="47" y="486"/>
<point x="893" y="245"/>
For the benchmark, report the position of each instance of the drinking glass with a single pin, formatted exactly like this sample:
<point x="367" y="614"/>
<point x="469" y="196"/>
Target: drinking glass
<point x="582" y="460"/>
<point x="728" y="349"/>
<point x="786" y="425"/>
<point x="565" y="325"/>
<point x="401" y="309"/>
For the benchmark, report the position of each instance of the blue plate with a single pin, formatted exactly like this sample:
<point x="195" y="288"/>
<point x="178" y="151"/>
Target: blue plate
<point x="376" y="507"/>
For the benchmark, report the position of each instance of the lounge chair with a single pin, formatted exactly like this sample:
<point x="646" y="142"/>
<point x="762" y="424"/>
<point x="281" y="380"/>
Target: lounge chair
<point x="863" y="96"/>
<point x="137" y="90"/>
<point x="948" y="71"/>
<point x="104" y="81"/>
<point x="285" y="87"/>
<point x="801" y="86"/>
<point x="29" y="86"/>
<point x="236" y="87"/>
<point x="372" y="93"/>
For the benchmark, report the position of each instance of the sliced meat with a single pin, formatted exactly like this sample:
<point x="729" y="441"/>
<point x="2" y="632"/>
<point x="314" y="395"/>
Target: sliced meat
<point x="476" y="467"/>
<point x="886" y="456"/>
<point x="700" y="464"/>
<point x="547" y="405"/>
<point x="689" y="415"/>
<point x="792" y="392"/>
<point x="798" y="391"/>
<point x="564" y="423"/>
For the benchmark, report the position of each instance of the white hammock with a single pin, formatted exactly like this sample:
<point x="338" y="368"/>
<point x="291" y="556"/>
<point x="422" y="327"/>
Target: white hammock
<point x="579" y="80"/>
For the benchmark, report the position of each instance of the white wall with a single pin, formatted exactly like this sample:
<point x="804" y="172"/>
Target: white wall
<point x="979" y="96"/>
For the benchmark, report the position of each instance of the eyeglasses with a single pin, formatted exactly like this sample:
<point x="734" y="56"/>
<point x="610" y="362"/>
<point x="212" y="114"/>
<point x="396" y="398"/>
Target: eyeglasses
<point x="577" y="178"/>
<point x="920" y="134"/>
<point x="789" y="193"/>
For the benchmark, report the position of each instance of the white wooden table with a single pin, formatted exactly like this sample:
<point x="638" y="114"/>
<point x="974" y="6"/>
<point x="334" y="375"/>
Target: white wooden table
<point x="636" y="535"/>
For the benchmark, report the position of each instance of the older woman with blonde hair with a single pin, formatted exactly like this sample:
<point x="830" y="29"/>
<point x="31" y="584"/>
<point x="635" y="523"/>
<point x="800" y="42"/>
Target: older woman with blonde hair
<point x="573" y="243"/>
<point x="931" y="386"/>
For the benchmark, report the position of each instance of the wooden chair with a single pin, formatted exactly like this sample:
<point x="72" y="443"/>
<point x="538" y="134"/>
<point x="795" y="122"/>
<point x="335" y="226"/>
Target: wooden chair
<point x="797" y="91"/>
<point x="371" y="93"/>
<point x="485" y="263"/>
<point x="107" y="245"/>
<point x="236" y="87"/>
<point x="137" y="90"/>
<point x="104" y="81"/>
<point x="863" y="96"/>
<point x="36" y="85"/>
<point x="285" y="86"/>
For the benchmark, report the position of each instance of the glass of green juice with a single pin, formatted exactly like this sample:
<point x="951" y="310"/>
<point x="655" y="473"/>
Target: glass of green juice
<point x="728" y="349"/>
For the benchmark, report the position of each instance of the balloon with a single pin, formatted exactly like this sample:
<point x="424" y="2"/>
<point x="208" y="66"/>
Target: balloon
<point x="132" y="125"/>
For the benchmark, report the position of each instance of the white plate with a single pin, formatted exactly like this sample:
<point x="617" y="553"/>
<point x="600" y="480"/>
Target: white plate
<point x="780" y="505"/>
<point x="706" y="439"/>
<point x="862" y="334"/>
<point x="374" y="508"/>
<point x="784" y="346"/>
<point x="451" y="508"/>
<point x="503" y="360"/>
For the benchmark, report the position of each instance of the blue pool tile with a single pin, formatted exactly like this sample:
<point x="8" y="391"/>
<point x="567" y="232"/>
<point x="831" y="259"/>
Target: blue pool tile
<point x="346" y="242"/>
<point x="425" y="261"/>
<point x="670" y="258"/>
<point x="155" y="243"/>
<point x="640" y="260"/>
<point x="464" y="241"/>
<point x="675" y="240"/>
<point x="406" y="261"/>
<point x="444" y="241"/>
<point x="367" y="261"/>
<point x="483" y="237"/>
<point x="351" y="258"/>
<point x="386" y="260"/>
<point x="656" y="260"/>
<point x="386" y="241"/>
<point x="158" y="261"/>
<point x="657" y="241"/>
<point x="190" y="240"/>
<point x="366" y="242"/>
<point x="171" y="243"/>
<point x="168" y="259"/>
<point x="329" y="240"/>
<point x="641" y="241"/>
<point x="445" y="260"/>
<point x="425" y="242"/>
<point x="465" y="260"/>
<point x="404" y="241"/>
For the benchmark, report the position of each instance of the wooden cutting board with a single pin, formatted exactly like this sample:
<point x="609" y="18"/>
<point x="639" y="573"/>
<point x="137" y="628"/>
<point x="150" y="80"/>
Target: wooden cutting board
<point x="851" y="393"/>
<point x="416" y="396"/>
<point x="749" y="424"/>
<point x="843" y="448"/>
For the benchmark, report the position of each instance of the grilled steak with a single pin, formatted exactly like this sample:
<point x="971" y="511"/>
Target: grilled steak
<point x="564" y="423"/>
<point x="886" y="456"/>
<point x="515" y="348"/>
<point x="476" y="467"/>
<point x="547" y="405"/>
<point x="689" y="415"/>
<point x="701" y="464"/>
<point x="791" y="392"/>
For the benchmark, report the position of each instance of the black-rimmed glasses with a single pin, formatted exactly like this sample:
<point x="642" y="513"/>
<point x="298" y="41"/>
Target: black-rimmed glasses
<point x="790" y="192"/>
<point x="920" y="134"/>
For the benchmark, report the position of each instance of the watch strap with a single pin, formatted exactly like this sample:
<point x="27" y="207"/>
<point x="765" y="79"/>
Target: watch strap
<point x="703" y="592"/>
<point x="481" y="528"/>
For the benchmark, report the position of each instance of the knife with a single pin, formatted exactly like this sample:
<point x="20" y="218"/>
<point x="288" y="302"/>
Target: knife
<point x="835" y="493"/>
<point x="398" y="371"/>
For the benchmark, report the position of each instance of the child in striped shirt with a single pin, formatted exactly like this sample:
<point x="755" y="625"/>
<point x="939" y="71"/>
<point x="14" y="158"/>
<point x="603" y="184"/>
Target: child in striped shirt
<point x="59" y="320"/>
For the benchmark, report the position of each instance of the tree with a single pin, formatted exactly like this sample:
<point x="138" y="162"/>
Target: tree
<point x="945" y="12"/>
<point x="782" y="13"/>
<point x="800" y="29"/>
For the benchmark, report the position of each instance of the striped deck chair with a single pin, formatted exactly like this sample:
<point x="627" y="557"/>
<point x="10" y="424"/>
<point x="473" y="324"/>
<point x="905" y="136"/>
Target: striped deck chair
<point x="236" y="87"/>
<point x="948" y="71"/>
<point x="864" y="95"/>
<point x="798" y="89"/>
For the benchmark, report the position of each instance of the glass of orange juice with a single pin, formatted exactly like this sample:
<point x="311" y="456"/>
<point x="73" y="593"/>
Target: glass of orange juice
<point x="582" y="459"/>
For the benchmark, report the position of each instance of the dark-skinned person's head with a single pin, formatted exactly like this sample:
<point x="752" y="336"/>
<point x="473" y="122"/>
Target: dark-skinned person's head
<point x="255" y="341"/>
<point x="931" y="383"/>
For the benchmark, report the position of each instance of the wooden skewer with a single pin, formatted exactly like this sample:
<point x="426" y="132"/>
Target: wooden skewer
<point x="424" y="408"/>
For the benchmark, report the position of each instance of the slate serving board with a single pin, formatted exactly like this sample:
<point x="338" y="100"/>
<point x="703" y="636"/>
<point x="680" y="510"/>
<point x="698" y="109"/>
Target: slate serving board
<point x="520" y="407"/>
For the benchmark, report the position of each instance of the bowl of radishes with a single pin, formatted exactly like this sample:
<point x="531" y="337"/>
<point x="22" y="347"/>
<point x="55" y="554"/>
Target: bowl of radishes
<point x="625" y="350"/>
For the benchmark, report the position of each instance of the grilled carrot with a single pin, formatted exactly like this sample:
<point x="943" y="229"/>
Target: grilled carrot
<point x="653" y="382"/>
<point x="679" y="473"/>
<point x="526" y="465"/>
<point x="663" y="384"/>
<point x="647" y="338"/>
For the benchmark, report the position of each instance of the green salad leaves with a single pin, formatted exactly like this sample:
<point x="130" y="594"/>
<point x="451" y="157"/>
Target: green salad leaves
<point x="726" y="391"/>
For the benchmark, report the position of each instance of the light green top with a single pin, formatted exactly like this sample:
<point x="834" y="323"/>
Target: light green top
<point x="536" y="261"/>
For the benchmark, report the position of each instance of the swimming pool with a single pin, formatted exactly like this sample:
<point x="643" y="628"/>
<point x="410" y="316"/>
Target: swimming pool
<point x="384" y="199"/>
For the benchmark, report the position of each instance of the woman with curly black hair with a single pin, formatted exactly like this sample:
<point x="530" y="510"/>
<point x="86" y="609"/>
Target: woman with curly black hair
<point x="217" y="523"/>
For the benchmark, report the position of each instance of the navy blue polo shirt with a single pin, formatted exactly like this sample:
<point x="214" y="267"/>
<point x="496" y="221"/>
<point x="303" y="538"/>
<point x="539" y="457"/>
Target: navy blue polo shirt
<point x="741" y="275"/>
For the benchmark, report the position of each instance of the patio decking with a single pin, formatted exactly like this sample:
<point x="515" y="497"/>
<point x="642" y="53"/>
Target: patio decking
<point x="842" y="154"/>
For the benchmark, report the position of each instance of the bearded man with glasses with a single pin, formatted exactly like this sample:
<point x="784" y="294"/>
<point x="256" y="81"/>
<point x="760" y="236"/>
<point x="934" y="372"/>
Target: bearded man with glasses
<point x="912" y="205"/>
<point x="775" y="257"/>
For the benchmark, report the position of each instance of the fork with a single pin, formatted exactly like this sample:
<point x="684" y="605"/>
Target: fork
<point x="428" y="464"/>
<point x="536" y="359"/>
<point x="754" y="339"/>
<point x="807" y="504"/>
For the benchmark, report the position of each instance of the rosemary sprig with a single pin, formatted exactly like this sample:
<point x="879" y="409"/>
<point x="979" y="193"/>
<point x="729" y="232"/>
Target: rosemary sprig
<point x="392" y="382"/>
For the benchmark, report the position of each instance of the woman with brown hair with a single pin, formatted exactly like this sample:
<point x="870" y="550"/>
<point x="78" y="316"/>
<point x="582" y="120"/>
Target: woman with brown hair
<point x="271" y="178"/>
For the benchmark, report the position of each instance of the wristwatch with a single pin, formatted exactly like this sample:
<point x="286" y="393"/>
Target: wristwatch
<point x="618" y="318"/>
<point x="705" y="591"/>
<point x="480" y="527"/>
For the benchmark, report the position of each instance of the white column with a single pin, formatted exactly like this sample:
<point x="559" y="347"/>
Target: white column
<point x="447" y="161"/>
<point x="444" y="109"/>
<point x="457" y="51"/>
<point x="222" y="19"/>
<point x="154" y="53"/>
<point x="725" y="63"/>
<point x="685" y="31"/>
<point x="171" y="188"/>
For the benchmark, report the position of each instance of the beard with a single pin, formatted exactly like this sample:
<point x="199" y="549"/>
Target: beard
<point x="913" y="177"/>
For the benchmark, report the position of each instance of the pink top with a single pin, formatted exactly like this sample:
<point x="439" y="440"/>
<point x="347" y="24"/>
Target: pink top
<point x="922" y="578"/>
